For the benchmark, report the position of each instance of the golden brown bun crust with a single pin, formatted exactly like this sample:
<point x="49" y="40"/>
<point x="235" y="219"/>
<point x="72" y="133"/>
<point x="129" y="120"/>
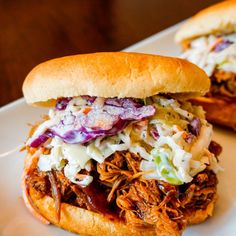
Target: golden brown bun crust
<point x="219" y="18"/>
<point x="114" y="74"/>
<point x="218" y="111"/>
<point x="199" y="216"/>
<point x="85" y="222"/>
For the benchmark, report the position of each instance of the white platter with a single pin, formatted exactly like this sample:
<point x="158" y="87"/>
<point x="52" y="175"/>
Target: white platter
<point x="15" y="219"/>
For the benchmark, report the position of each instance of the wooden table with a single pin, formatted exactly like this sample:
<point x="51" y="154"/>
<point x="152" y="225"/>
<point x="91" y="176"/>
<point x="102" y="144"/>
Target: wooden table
<point x="35" y="31"/>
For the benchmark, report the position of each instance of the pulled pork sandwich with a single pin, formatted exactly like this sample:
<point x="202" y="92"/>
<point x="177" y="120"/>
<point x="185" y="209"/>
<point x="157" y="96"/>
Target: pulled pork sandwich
<point x="209" y="41"/>
<point x="120" y="152"/>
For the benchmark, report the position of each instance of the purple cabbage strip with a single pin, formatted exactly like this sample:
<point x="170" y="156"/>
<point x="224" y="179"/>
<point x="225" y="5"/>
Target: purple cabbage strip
<point x="222" y="45"/>
<point x="189" y="138"/>
<point x="194" y="126"/>
<point x="84" y="135"/>
<point x="137" y="113"/>
<point x="81" y="135"/>
<point x="88" y="98"/>
<point x="126" y="110"/>
<point x="154" y="133"/>
<point x="62" y="103"/>
<point x="41" y="139"/>
<point x="123" y="102"/>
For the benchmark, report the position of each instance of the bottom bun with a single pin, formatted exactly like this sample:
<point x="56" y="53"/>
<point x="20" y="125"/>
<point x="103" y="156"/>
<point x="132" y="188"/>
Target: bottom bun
<point x="218" y="111"/>
<point x="85" y="222"/>
<point x="199" y="216"/>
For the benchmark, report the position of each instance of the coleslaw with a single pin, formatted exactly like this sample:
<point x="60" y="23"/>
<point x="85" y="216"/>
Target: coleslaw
<point x="172" y="137"/>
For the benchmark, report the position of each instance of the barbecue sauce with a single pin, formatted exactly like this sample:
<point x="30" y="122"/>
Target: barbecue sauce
<point x="97" y="198"/>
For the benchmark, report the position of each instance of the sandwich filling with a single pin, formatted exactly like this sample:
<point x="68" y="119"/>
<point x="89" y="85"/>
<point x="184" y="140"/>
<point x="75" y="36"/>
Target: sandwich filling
<point x="136" y="160"/>
<point x="216" y="54"/>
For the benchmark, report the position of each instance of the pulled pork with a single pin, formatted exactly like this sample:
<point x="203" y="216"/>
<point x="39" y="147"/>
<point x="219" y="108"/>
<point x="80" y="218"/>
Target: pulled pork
<point x="223" y="85"/>
<point x="152" y="203"/>
<point x="119" y="192"/>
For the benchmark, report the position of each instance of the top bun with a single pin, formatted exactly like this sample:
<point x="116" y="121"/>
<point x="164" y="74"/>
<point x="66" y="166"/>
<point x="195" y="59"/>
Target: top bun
<point x="113" y="74"/>
<point x="219" y="18"/>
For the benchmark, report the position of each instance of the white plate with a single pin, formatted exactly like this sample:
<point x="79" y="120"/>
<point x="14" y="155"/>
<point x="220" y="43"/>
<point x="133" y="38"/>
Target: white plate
<point x="15" y="219"/>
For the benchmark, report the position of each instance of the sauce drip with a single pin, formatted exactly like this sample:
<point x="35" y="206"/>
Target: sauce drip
<point x="97" y="198"/>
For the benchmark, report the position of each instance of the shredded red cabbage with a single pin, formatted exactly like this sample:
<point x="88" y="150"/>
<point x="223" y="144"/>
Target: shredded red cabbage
<point x="194" y="126"/>
<point x="62" y="103"/>
<point x="154" y="133"/>
<point x="124" y="102"/>
<point x="89" y="99"/>
<point x="84" y="135"/>
<point x="222" y="45"/>
<point x="107" y="120"/>
<point x="137" y="113"/>
<point x="81" y="135"/>
<point x="41" y="139"/>
<point x="189" y="138"/>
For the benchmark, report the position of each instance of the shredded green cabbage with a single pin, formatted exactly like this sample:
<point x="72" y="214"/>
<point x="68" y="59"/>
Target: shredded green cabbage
<point x="165" y="166"/>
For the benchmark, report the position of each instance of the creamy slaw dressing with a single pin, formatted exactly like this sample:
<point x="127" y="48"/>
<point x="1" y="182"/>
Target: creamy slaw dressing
<point x="169" y="157"/>
<point x="201" y="52"/>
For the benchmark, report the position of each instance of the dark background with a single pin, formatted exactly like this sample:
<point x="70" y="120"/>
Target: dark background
<point x="34" y="31"/>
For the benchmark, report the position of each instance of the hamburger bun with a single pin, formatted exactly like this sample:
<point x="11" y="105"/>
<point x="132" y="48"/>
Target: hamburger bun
<point x="219" y="18"/>
<point x="113" y="74"/>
